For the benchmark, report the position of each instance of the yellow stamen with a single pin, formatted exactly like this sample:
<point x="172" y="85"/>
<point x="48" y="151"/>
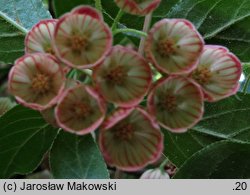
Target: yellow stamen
<point x="166" y="47"/>
<point x="49" y="50"/>
<point x="40" y="83"/>
<point x="78" y="43"/>
<point x="202" y="75"/>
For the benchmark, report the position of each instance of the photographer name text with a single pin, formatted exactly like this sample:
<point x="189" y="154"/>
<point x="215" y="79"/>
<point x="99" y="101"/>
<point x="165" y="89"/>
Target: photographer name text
<point x="69" y="186"/>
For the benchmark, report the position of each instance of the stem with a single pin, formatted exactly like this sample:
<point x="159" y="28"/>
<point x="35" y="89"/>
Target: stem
<point x="246" y="84"/>
<point x="117" y="19"/>
<point x="237" y="97"/>
<point x="146" y="26"/>
<point x="12" y="22"/>
<point x="98" y="5"/>
<point x="51" y="8"/>
<point x="130" y="30"/>
<point x="118" y="174"/>
<point x="163" y="164"/>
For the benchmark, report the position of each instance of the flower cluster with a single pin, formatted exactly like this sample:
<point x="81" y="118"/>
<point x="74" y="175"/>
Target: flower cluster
<point x="80" y="82"/>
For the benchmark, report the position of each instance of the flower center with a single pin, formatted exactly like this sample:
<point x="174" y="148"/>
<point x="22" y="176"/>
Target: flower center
<point x="49" y="50"/>
<point x="166" y="47"/>
<point x="79" y="43"/>
<point x="169" y="103"/>
<point x="202" y="75"/>
<point x="117" y="75"/>
<point x="125" y="132"/>
<point x="40" y="83"/>
<point x="82" y="110"/>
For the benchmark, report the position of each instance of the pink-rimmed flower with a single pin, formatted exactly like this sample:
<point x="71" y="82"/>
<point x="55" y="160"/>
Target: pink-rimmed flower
<point x="80" y="110"/>
<point x="80" y="40"/>
<point x="124" y="77"/>
<point x="176" y="103"/>
<point x="130" y="140"/>
<point x="138" y="7"/>
<point x="155" y="174"/>
<point x="36" y="80"/>
<point x="218" y="72"/>
<point x="173" y="46"/>
<point x="39" y="38"/>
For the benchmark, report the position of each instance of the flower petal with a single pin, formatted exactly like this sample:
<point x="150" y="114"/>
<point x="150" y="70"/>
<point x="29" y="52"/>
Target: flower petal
<point x="5" y="105"/>
<point x="87" y="10"/>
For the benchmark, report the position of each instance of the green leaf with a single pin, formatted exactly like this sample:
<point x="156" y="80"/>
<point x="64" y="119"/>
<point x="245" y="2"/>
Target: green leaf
<point x="12" y="41"/>
<point x="227" y="119"/>
<point x="221" y="160"/>
<point x="179" y="147"/>
<point x="16" y="18"/>
<point x="77" y="157"/>
<point x="24" y="12"/>
<point x="219" y="21"/>
<point x="63" y="6"/>
<point x="24" y="139"/>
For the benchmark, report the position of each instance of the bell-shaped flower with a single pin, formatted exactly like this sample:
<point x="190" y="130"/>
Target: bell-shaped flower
<point x="173" y="46"/>
<point x="130" y="139"/>
<point x="218" y="72"/>
<point x="80" y="110"/>
<point x="81" y="39"/>
<point x="39" y="38"/>
<point x="36" y="80"/>
<point x="124" y="77"/>
<point x="176" y="103"/>
<point x="138" y="7"/>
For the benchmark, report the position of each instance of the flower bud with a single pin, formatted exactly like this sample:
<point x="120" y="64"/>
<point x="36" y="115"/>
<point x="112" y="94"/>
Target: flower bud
<point x="155" y="174"/>
<point x="138" y="7"/>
